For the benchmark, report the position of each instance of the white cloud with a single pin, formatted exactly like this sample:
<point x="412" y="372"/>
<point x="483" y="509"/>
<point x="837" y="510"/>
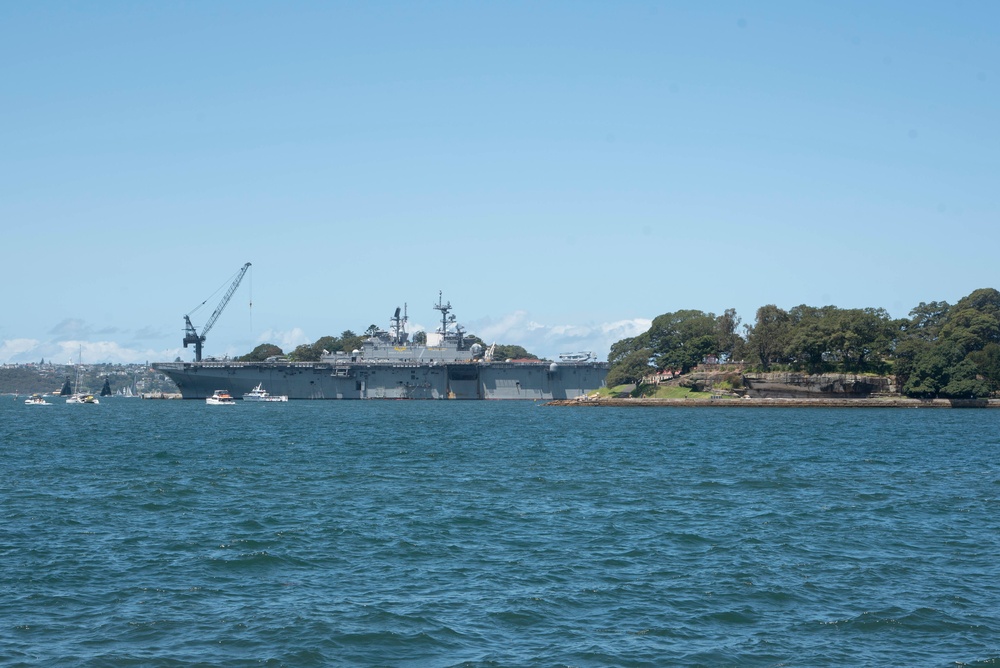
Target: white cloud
<point x="287" y="340"/>
<point x="498" y="331"/>
<point x="626" y="329"/>
<point x="22" y="351"/>
<point x="12" y="348"/>
<point x="549" y="340"/>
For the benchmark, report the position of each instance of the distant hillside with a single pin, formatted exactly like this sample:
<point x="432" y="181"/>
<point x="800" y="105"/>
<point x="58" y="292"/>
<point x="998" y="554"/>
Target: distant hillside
<point x="49" y="378"/>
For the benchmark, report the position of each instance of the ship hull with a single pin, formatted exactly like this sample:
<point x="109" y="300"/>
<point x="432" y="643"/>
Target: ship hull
<point x="318" y="380"/>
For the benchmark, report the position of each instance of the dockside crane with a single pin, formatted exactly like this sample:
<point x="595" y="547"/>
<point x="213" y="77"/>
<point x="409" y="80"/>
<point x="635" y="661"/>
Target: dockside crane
<point x="191" y="335"/>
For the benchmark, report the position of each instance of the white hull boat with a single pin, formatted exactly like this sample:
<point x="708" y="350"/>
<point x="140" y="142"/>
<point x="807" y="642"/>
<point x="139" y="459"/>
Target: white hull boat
<point x="260" y="394"/>
<point x="221" y="398"/>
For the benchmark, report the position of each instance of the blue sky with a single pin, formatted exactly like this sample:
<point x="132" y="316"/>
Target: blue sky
<point x="562" y="171"/>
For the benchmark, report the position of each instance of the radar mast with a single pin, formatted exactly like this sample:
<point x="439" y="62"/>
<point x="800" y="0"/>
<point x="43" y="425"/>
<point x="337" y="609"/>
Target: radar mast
<point x="444" y="308"/>
<point x="446" y="318"/>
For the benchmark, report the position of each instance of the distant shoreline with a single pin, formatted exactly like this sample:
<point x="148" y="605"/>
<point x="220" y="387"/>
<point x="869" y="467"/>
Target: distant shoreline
<point x="881" y="402"/>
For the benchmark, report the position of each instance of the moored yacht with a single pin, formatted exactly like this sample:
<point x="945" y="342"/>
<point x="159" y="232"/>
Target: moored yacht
<point x="260" y="394"/>
<point x="220" y="398"/>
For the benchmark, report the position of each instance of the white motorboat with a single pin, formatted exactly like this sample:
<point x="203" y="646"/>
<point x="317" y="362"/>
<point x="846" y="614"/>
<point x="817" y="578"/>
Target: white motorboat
<point x="260" y="394"/>
<point x="220" y="398"/>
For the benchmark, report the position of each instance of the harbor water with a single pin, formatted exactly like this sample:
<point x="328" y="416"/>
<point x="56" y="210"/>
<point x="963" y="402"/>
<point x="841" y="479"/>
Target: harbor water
<point x="438" y="533"/>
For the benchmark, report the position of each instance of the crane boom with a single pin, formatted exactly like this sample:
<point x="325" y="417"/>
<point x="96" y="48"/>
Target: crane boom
<point x="192" y="336"/>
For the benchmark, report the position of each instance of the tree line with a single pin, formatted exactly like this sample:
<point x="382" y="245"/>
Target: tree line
<point x="348" y="341"/>
<point x="940" y="350"/>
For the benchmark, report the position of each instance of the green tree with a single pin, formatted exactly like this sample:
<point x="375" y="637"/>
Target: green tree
<point x="313" y="352"/>
<point x="964" y="383"/>
<point x="769" y="335"/>
<point x="987" y="363"/>
<point x="681" y="340"/>
<point x="628" y="360"/>
<point x="808" y="339"/>
<point x="349" y="341"/>
<point x="303" y="353"/>
<point x="622" y="349"/>
<point x="931" y="369"/>
<point x="261" y="353"/>
<point x="630" y="368"/>
<point x="863" y="337"/>
<point x="330" y="344"/>
<point x="512" y="353"/>
<point x="974" y="321"/>
<point x="926" y="320"/>
<point x="728" y="340"/>
<point x="951" y="352"/>
<point x="905" y="359"/>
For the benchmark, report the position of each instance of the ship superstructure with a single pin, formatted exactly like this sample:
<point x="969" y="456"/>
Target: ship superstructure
<point x="390" y="366"/>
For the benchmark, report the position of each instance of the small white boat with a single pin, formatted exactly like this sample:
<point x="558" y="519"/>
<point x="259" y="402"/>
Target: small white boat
<point x="260" y="394"/>
<point x="36" y="400"/>
<point x="220" y="398"/>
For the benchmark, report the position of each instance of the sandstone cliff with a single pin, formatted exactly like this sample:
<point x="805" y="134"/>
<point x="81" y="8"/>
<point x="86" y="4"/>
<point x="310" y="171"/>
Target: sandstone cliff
<point x="791" y="385"/>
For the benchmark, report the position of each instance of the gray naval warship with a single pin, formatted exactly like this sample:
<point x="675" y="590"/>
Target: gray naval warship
<point x="390" y="366"/>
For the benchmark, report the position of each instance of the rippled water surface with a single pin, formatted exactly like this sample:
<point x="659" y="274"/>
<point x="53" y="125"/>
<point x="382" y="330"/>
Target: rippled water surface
<point x="170" y="533"/>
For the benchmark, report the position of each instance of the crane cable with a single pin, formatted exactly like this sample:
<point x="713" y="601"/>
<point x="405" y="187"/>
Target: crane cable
<point x="228" y="281"/>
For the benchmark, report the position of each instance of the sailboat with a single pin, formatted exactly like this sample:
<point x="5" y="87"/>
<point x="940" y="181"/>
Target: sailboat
<point x="78" y="397"/>
<point x="128" y="390"/>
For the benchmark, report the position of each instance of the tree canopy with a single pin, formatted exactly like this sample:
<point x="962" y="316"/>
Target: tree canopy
<point x="678" y="340"/>
<point x="952" y="351"/>
<point x="939" y="351"/>
<point x="312" y="352"/>
<point x="261" y="353"/>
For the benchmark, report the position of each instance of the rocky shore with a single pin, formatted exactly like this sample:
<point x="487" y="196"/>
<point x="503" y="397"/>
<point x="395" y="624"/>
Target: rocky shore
<point x="749" y="402"/>
<point x="732" y="388"/>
